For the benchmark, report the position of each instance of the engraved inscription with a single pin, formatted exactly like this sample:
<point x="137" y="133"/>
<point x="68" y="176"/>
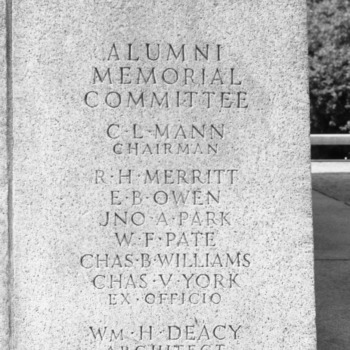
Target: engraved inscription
<point x="166" y="222"/>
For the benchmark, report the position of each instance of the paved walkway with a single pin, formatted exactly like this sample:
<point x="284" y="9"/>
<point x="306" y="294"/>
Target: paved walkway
<point x="332" y="259"/>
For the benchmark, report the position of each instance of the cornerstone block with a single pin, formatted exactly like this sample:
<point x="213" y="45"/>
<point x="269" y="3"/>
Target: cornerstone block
<point x="161" y="182"/>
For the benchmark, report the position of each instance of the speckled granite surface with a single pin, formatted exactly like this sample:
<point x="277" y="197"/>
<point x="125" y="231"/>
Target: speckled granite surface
<point x="161" y="176"/>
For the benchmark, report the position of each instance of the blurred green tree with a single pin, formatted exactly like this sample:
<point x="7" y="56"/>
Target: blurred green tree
<point x="329" y="60"/>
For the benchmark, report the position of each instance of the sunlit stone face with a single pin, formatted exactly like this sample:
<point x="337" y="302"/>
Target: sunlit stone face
<point x="161" y="176"/>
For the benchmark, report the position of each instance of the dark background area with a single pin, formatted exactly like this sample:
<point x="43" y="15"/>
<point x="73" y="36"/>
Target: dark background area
<point x="329" y="56"/>
<point x="330" y="152"/>
<point x="329" y="61"/>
